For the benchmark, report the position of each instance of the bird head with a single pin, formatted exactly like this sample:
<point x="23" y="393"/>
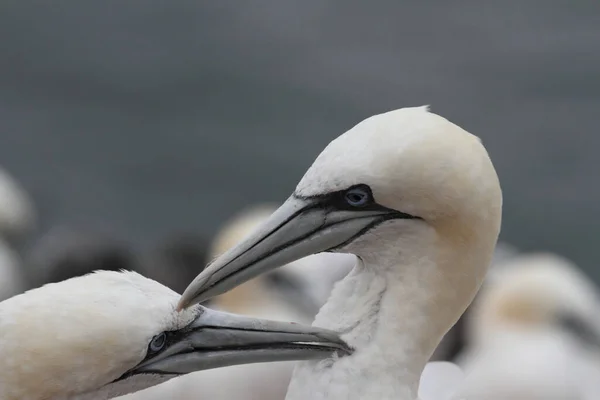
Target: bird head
<point x="110" y="333"/>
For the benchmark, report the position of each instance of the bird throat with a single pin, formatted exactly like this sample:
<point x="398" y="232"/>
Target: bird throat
<point x="386" y="318"/>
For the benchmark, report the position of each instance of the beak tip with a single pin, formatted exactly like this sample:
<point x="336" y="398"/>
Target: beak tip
<point x="185" y="301"/>
<point x="194" y="293"/>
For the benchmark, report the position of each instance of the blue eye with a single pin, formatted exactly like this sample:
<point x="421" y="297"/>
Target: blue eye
<point x="158" y="342"/>
<point x="357" y="197"/>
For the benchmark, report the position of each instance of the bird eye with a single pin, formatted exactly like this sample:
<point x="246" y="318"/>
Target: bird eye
<point x="158" y="342"/>
<point x="357" y="197"/>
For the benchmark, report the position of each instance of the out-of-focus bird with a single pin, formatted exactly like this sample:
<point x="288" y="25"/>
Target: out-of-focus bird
<point x="294" y="292"/>
<point x="67" y="252"/>
<point x="17" y="213"/>
<point x="417" y="199"/>
<point x="110" y="333"/>
<point x="17" y="220"/>
<point x="535" y="333"/>
<point x="12" y="280"/>
<point x="175" y="261"/>
<point x="457" y="339"/>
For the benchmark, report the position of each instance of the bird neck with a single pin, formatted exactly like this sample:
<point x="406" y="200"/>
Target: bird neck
<point x="394" y="317"/>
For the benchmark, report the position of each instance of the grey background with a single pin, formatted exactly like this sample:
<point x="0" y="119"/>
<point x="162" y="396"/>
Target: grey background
<point x="152" y="117"/>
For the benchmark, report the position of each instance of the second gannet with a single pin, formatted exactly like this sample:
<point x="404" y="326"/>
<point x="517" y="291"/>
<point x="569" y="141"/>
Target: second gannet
<point x="417" y="200"/>
<point x="111" y="333"/>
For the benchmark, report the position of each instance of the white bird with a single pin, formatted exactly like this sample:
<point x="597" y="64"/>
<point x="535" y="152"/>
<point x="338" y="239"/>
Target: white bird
<point x="16" y="219"/>
<point x="535" y="333"/>
<point x="417" y="199"/>
<point x="17" y="214"/>
<point x="111" y="333"/>
<point x="12" y="281"/>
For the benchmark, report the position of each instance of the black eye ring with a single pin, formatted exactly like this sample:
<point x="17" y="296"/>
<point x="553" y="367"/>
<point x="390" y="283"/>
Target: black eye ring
<point x="357" y="197"/>
<point x="158" y="342"/>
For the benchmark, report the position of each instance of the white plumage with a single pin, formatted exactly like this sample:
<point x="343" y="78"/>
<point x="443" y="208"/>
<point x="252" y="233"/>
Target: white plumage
<point x="535" y="333"/>
<point x="110" y="333"/>
<point x="75" y="337"/>
<point x="417" y="199"/>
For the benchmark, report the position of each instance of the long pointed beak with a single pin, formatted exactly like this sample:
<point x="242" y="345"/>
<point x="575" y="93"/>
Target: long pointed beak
<point x="217" y="339"/>
<point x="300" y="227"/>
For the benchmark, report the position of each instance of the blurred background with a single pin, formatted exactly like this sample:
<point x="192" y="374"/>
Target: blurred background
<point x="151" y="117"/>
<point x="135" y="130"/>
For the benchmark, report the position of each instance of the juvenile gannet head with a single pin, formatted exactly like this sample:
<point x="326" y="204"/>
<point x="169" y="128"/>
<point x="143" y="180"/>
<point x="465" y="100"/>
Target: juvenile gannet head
<point x="110" y="333"/>
<point x="537" y="291"/>
<point x="405" y="187"/>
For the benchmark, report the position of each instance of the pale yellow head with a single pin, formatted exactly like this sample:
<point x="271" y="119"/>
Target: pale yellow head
<point x="79" y="335"/>
<point x="432" y="210"/>
<point x="421" y="164"/>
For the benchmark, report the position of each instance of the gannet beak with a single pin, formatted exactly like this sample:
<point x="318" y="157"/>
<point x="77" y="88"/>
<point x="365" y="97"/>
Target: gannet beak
<point x="300" y="227"/>
<point x="585" y="329"/>
<point x="217" y="339"/>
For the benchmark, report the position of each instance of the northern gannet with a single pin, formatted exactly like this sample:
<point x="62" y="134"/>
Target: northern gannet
<point x="12" y="280"/>
<point x="17" y="213"/>
<point x="535" y="333"/>
<point x="111" y="333"/>
<point x="417" y="200"/>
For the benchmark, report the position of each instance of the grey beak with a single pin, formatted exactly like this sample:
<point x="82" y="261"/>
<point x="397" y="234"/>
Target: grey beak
<point x="300" y="227"/>
<point x="217" y="339"/>
<point x="586" y="330"/>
